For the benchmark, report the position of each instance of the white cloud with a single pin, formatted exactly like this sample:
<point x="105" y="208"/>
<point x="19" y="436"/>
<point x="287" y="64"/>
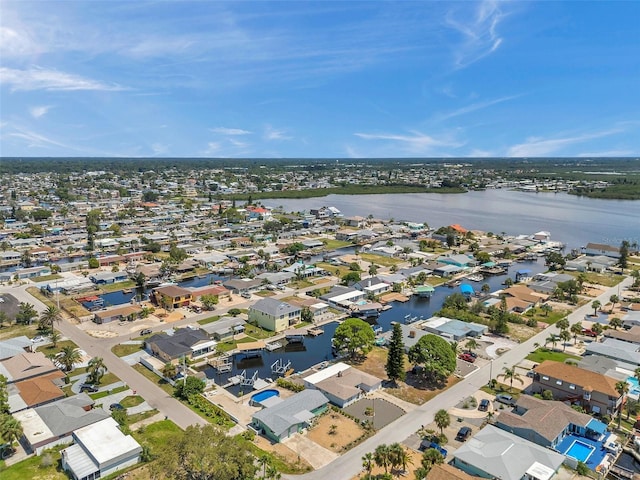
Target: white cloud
<point x="417" y="142"/>
<point x="36" y="140"/>
<point x="39" y="111"/>
<point x="238" y="143"/>
<point x="36" y="78"/>
<point x="271" y="134"/>
<point x="475" y="106"/>
<point x="539" y="147"/>
<point x="480" y="33"/>
<point x="212" y="147"/>
<point x="230" y="131"/>
<point x="159" y="148"/>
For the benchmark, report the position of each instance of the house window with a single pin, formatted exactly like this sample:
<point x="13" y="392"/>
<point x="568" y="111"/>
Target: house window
<point x="545" y="377"/>
<point x="572" y="387"/>
<point x="558" y="382"/>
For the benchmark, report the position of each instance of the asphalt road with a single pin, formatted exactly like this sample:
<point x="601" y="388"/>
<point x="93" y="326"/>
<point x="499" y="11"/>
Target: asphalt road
<point x="349" y="464"/>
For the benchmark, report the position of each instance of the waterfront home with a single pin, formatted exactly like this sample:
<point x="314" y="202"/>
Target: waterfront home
<point x="243" y="285"/>
<point x="342" y="384"/>
<point x="343" y="297"/>
<point x="224" y="328"/>
<point x="595" y="249"/>
<point x="50" y="425"/>
<point x="117" y="314"/>
<point x="459" y="260"/>
<point x="274" y="315"/>
<point x="626" y="354"/>
<point x="301" y="270"/>
<point x="599" y="263"/>
<point x="632" y="335"/>
<point x="592" y="391"/>
<point x="372" y="286"/>
<point x="630" y="319"/>
<point x="215" y="290"/>
<point x="447" y="270"/>
<point x="183" y="342"/>
<point x="171" y="296"/>
<point x="107" y="278"/>
<point x="548" y="423"/>
<point x="100" y="450"/>
<point x="548" y="282"/>
<point x="283" y="418"/>
<point x="494" y="453"/>
<point x="453" y="329"/>
<point x="276" y="278"/>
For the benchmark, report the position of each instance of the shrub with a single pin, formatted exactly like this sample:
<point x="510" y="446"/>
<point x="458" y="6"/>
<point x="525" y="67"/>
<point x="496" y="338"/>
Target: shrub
<point x="289" y="385"/>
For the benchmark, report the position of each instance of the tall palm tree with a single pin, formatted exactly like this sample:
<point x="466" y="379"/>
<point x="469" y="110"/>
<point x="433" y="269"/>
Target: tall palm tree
<point x="10" y="428"/>
<point x="615" y="322"/>
<point x="442" y="419"/>
<point x="546" y="308"/>
<point x="96" y="369"/>
<point x="50" y="316"/>
<point x="55" y="337"/>
<point x="264" y="461"/>
<point x="511" y="375"/>
<point x="595" y="305"/>
<point x="431" y="457"/>
<point x="381" y="456"/>
<point x="597" y="328"/>
<point x="367" y="463"/>
<point x="565" y="336"/>
<point x="70" y="356"/>
<point x="576" y="329"/>
<point x="552" y="339"/>
<point x="471" y="344"/>
<point x="622" y="388"/>
<point x="614" y="299"/>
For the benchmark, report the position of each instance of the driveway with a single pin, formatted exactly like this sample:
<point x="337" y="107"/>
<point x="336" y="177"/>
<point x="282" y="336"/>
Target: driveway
<point x="313" y="453"/>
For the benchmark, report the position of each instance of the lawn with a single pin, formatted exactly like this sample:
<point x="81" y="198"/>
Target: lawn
<point x="122" y="350"/>
<point x="32" y="468"/>
<point x="156" y="434"/>
<point x="337" y="270"/>
<point x="161" y="382"/>
<point x="230" y="345"/>
<point x="16" y="330"/>
<point x="51" y="350"/>
<point x="380" y="259"/>
<point x="331" y="244"/>
<point x="599" y="278"/>
<point x="114" y="287"/>
<point x="550" y="318"/>
<point x="131" y="401"/>
<point x="257" y="333"/>
<point x="48" y="278"/>
<point x="99" y="395"/>
<point x="542" y="354"/>
<point x="137" y="417"/>
<point x="212" y="319"/>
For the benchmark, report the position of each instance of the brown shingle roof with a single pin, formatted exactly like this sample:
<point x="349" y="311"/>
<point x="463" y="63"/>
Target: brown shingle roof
<point x="578" y="376"/>
<point x="173" y="291"/>
<point x="39" y="390"/>
<point x="445" y="471"/>
<point x="27" y="365"/>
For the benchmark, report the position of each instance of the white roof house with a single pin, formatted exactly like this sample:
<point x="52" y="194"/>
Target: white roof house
<point x="100" y="450"/>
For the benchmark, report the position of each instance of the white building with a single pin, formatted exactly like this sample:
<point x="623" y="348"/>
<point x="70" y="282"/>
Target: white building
<point x="100" y="450"/>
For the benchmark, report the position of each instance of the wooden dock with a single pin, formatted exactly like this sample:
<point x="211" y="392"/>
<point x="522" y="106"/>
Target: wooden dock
<point x="393" y="297"/>
<point x="315" y="331"/>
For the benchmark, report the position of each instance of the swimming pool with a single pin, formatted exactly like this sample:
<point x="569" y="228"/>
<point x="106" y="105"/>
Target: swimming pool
<point x="263" y="395"/>
<point x="580" y="451"/>
<point x="635" y="387"/>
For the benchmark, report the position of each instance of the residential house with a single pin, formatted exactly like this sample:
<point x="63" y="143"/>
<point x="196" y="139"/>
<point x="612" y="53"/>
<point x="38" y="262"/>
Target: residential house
<point x="14" y="346"/>
<point x="595" y="249"/>
<point x="625" y="353"/>
<point x="373" y="286"/>
<point x="547" y="283"/>
<point x="344" y="297"/>
<point x="224" y="328"/>
<point x="444" y="471"/>
<point x="26" y="365"/>
<point x="342" y="384"/>
<point x="410" y="335"/>
<point x="52" y="424"/>
<point x="100" y="450"/>
<point x="36" y="391"/>
<point x="548" y="423"/>
<point x="172" y="296"/>
<point x="107" y="278"/>
<point x="593" y="391"/>
<point x="494" y="453"/>
<point x="459" y="260"/>
<point x="282" y="418"/>
<point x="453" y="329"/>
<point x="118" y="314"/>
<point x="274" y="315"/>
<point x="632" y="335"/>
<point x="599" y="263"/>
<point x="184" y="342"/>
<point x="243" y="285"/>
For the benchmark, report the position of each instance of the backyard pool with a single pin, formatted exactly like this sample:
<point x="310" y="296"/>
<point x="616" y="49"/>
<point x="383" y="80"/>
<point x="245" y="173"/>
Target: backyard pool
<point x="635" y="387"/>
<point x="263" y="395"/>
<point x="580" y="451"/>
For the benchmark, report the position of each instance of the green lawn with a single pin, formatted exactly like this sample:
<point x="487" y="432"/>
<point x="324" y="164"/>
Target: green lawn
<point x="380" y="259"/>
<point x="337" y="270"/>
<point x="48" y="278"/>
<point x="230" y="345"/>
<point x="51" y="350"/>
<point x="157" y="434"/>
<point x="550" y="318"/>
<point x="209" y="320"/>
<point x="542" y="354"/>
<point x="114" y="287"/>
<point x="16" y="330"/>
<point x="332" y="244"/>
<point x="137" y="417"/>
<point x="161" y="382"/>
<point x="131" y="401"/>
<point x="606" y="280"/>
<point x="32" y="468"/>
<point x="122" y="350"/>
<point x="99" y="395"/>
<point x="257" y="332"/>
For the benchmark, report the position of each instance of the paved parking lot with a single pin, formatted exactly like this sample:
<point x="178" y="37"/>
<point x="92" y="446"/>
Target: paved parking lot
<point x="9" y="305"/>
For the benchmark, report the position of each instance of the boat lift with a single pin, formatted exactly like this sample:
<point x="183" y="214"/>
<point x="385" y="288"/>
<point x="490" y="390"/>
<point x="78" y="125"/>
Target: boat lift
<point x="280" y="367"/>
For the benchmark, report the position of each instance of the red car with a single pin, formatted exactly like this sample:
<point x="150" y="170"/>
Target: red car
<point x="589" y="333"/>
<point x="466" y="357"/>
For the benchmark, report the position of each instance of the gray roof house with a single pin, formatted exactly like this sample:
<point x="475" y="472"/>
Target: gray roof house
<point x="185" y="342"/>
<point x="291" y="415"/>
<point x="494" y="453"/>
<point x="52" y="424"/>
<point x="14" y="346"/>
<point x="224" y="328"/>
<point x="623" y="352"/>
<point x="275" y="315"/>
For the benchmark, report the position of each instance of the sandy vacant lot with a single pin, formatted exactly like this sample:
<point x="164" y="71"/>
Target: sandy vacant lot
<point x="346" y="431"/>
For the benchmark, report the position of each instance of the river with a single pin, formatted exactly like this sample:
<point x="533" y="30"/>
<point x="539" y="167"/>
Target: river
<point x="573" y="220"/>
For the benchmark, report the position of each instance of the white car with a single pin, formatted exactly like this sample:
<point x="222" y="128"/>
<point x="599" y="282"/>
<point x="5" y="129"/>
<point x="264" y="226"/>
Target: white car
<point x="1" y="300"/>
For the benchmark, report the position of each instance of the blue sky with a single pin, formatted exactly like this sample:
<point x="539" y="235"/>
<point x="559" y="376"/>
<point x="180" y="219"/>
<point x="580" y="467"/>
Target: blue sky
<point x="319" y="79"/>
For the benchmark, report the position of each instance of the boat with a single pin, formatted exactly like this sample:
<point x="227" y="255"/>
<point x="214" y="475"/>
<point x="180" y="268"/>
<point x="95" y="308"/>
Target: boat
<point x="476" y="277"/>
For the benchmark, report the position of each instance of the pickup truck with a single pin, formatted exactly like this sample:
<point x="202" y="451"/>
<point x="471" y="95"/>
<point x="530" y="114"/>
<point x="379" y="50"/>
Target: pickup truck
<point x="427" y="444"/>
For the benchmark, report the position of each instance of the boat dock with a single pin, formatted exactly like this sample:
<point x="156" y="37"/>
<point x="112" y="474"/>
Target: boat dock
<point x="251" y="349"/>
<point x="315" y="331"/>
<point x="273" y="346"/>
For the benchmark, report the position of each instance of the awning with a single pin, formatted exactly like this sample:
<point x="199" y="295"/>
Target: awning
<point x="597" y="426"/>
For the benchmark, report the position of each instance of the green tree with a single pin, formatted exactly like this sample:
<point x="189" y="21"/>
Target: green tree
<point x="190" y="386"/>
<point x="306" y="315"/>
<point x="209" y="301"/>
<point x="395" y="357"/>
<point x="96" y="370"/>
<point x="55" y="337"/>
<point x="367" y="463"/>
<point x="70" y="356"/>
<point x="431" y="457"/>
<point x="442" y="419"/>
<point x="373" y="269"/>
<point x="614" y="299"/>
<point x="382" y="456"/>
<point x="552" y="339"/>
<point x="595" y="305"/>
<point x="435" y="356"/>
<point x="92" y="221"/>
<point x="565" y="336"/>
<point x="456" y="301"/>
<point x="615" y="322"/>
<point x="354" y="336"/>
<point x="26" y="313"/>
<point x="93" y="262"/>
<point x="562" y="324"/>
<point x="485" y="288"/>
<point x="510" y="374"/>
<point x="10" y="428"/>
<point x="622" y="387"/>
<point x="169" y="370"/>
<point x="471" y="344"/>
<point x="597" y="328"/>
<point x="576" y="329"/>
<point x="47" y="318"/>
<point x="624" y="254"/>
<point x="4" y="396"/>
<point x="351" y="278"/>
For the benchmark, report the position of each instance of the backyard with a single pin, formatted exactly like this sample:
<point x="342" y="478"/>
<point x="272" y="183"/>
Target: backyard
<point x="542" y="354"/>
<point x="334" y="431"/>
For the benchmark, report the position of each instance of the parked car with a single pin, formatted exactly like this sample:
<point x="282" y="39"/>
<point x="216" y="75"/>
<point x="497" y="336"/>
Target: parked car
<point x="484" y="405"/>
<point x="506" y="399"/>
<point x="87" y="387"/>
<point x="472" y="353"/>
<point x="466" y="357"/>
<point x="426" y="444"/>
<point x="589" y="333"/>
<point x="40" y="338"/>
<point x="245" y="295"/>
<point x="116" y="406"/>
<point x="463" y="434"/>
<point x="145" y="331"/>
<point x="531" y="374"/>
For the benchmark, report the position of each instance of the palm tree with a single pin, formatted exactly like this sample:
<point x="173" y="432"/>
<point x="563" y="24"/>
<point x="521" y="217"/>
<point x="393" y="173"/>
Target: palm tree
<point x="552" y="339"/>
<point x="595" y="305"/>
<point x="614" y="299"/>
<point x="381" y="457"/>
<point x="615" y="322"/>
<point x="471" y="344"/>
<point x="565" y="336"/>
<point x="169" y="370"/>
<point x="442" y="419"/>
<point x="562" y="324"/>
<point x="264" y="461"/>
<point x="511" y="375"/>
<point x="70" y="355"/>
<point x="597" y="328"/>
<point x="622" y="388"/>
<point x="55" y="337"/>
<point x="10" y="428"/>
<point x="50" y="316"/>
<point x="431" y="457"/>
<point x="367" y="463"/>
<point x="546" y="308"/>
<point x="636" y="374"/>
<point x="576" y="329"/>
<point x="399" y="456"/>
<point x="485" y="288"/>
<point x="96" y="369"/>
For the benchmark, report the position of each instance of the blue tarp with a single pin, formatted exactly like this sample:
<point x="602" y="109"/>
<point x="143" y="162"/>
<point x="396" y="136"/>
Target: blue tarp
<point x="597" y="426"/>
<point x="466" y="289"/>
